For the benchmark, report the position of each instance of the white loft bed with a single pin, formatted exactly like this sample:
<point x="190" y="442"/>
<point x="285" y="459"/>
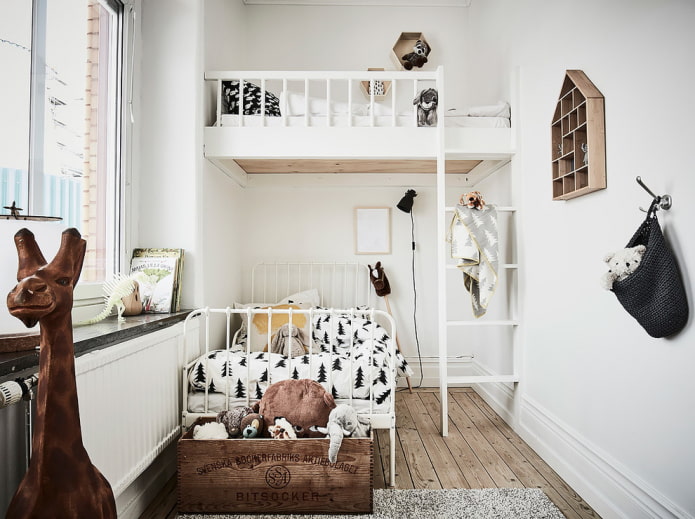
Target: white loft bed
<point x="334" y="133"/>
<point x="328" y="124"/>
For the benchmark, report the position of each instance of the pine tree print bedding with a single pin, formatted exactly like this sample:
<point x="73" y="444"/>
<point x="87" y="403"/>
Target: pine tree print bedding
<point x="349" y="355"/>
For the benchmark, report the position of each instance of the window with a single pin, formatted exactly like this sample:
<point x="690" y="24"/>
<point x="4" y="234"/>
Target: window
<point x="60" y="141"/>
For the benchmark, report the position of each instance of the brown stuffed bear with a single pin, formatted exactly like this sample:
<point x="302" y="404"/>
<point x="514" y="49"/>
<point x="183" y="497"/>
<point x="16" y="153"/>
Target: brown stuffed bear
<point x="302" y="402"/>
<point x="252" y="426"/>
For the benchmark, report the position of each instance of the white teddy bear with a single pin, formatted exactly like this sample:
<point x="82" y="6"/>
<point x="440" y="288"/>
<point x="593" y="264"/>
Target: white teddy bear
<point x="621" y="264"/>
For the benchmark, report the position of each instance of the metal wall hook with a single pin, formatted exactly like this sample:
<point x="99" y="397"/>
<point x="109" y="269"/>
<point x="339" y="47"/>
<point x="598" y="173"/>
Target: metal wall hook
<point x="663" y="201"/>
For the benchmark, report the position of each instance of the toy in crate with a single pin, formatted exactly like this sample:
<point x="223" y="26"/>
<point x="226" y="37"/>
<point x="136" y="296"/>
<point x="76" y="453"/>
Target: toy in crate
<point x="302" y="474"/>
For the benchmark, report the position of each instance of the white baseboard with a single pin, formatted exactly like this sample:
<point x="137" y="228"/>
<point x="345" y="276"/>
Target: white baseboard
<point x="430" y="370"/>
<point x="608" y="486"/>
<point x="134" y="500"/>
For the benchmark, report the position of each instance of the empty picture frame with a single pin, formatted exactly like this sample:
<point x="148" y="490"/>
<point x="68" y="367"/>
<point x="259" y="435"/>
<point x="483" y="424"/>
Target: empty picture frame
<point x="372" y="230"/>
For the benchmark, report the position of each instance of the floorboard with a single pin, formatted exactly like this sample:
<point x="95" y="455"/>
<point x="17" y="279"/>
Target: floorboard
<point x="481" y="451"/>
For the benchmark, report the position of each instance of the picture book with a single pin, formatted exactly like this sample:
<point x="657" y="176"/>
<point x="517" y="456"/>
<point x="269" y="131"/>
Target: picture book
<point x="163" y="268"/>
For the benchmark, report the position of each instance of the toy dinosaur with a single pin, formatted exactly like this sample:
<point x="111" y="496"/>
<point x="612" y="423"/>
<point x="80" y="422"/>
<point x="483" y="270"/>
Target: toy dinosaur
<point x="121" y="286"/>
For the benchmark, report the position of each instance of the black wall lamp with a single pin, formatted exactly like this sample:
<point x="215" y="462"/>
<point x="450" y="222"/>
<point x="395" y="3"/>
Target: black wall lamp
<point x="406" y="203"/>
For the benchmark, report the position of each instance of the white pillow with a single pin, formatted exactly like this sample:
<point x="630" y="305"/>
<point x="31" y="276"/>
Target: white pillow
<point x="293" y="104"/>
<point x="307" y="297"/>
<point x="501" y="109"/>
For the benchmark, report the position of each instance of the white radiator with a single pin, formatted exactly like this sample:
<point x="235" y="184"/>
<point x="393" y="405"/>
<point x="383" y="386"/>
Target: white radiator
<point x="129" y="397"/>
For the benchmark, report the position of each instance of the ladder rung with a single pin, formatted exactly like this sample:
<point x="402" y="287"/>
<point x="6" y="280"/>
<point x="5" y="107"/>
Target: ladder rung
<point x="483" y="323"/>
<point x="510" y="266"/>
<point x="502" y="209"/>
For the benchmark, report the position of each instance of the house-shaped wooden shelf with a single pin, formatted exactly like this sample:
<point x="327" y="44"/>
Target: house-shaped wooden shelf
<point x="578" y="138"/>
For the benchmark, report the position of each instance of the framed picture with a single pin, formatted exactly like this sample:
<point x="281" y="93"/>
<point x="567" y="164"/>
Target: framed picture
<point x="372" y="230"/>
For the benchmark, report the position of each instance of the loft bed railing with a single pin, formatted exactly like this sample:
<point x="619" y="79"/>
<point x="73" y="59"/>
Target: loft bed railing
<point x="401" y="83"/>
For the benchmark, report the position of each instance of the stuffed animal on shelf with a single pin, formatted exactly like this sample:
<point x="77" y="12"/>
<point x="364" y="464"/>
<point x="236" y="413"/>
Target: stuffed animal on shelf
<point x="282" y="429"/>
<point x="302" y="403"/>
<point x="232" y="419"/>
<point x="289" y="340"/>
<point x="343" y="421"/>
<point x="210" y="431"/>
<point x="418" y="57"/>
<point x="252" y="426"/>
<point x="621" y="264"/>
<point x="473" y="200"/>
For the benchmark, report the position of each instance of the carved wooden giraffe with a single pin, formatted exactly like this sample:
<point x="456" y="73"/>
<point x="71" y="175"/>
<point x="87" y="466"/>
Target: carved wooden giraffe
<point x="61" y="480"/>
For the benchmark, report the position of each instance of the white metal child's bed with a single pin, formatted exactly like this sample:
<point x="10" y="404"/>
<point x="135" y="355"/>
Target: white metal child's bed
<point x="352" y="351"/>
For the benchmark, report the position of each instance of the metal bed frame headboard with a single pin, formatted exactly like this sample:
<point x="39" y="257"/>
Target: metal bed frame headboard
<point x="340" y="284"/>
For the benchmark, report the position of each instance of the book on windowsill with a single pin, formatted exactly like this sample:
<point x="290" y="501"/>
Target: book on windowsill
<point x="164" y="269"/>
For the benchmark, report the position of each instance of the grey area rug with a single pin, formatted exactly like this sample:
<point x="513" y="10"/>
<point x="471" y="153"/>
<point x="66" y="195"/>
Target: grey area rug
<point x="492" y="503"/>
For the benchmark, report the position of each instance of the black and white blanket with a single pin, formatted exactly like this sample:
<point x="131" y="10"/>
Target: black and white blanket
<point x="349" y="356"/>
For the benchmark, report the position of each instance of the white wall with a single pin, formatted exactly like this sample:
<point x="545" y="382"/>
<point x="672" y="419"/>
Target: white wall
<point x="609" y="406"/>
<point x="354" y="38"/>
<point x="222" y="208"/>
<point x="169" y="125"/>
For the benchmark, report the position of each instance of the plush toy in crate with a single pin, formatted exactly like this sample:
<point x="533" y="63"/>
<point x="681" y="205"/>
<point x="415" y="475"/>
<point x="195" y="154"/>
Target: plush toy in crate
<point x="302" y="403"/>
<point x="621" y="264"/>
<point x="343" y="421"/>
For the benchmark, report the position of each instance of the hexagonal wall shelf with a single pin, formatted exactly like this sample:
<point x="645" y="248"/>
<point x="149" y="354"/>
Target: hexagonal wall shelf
<point x="405" y="44"/>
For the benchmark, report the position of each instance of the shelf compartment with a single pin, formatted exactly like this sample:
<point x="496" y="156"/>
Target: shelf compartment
<point x="567" y="104"/>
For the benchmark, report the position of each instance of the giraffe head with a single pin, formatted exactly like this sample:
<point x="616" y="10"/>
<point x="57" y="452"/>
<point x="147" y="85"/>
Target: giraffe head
<point x="45" y="288"/>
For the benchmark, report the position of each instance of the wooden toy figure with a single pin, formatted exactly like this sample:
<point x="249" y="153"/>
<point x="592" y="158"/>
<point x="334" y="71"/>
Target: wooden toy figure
<point x="61" y="480"/>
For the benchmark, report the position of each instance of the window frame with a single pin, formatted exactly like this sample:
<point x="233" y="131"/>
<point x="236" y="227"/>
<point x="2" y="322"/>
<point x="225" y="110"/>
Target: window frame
<point x="88" y="294"/>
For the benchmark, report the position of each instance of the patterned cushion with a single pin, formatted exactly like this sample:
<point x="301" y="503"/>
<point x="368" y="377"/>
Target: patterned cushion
<point x="252" y="99"/>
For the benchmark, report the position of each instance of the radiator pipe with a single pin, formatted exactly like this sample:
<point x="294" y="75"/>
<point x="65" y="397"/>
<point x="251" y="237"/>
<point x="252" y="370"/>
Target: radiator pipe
<point x="13" y="391"/>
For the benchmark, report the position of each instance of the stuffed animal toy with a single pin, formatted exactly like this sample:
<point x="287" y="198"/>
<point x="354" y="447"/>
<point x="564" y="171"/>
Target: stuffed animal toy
<point x="473" y="199"/>
<point x="343" y="421"/>
<point x="289" y="341"/>
<point x="232" y="419"/>
<point x="621" y="264"/>
<point x="282" y="429"/>
<point x="382" y="287"/>
<point x="302" y="403"/>
<point x="426" y="102"/>
<point x="252" y="425"/>
<point x="210" y="431"/>
<point x="418" y="57"/>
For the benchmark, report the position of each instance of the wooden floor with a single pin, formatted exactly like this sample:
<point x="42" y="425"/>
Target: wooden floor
<point x="481" y="451"/>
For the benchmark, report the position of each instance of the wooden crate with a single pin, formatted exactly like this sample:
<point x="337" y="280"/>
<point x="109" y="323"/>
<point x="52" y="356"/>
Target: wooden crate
<point x="274" y="476"/>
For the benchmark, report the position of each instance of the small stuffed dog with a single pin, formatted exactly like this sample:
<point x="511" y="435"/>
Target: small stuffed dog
<point x="473" y="199"/>
<point x="426" y="102"/>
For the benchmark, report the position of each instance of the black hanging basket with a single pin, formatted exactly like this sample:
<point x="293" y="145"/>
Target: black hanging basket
<point x="654" y="294"/>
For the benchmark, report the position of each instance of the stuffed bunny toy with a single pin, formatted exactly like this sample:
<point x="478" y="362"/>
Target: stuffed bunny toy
<point x="343" y="421"/>
<point x="289" y="341"/>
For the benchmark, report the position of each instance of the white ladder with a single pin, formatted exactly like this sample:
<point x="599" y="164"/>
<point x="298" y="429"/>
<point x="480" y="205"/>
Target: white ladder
<point x="443" y="322"/>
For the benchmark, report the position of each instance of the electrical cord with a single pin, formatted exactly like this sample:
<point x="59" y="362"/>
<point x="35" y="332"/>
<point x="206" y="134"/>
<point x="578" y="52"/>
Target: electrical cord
<point x="417" y="339"/>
